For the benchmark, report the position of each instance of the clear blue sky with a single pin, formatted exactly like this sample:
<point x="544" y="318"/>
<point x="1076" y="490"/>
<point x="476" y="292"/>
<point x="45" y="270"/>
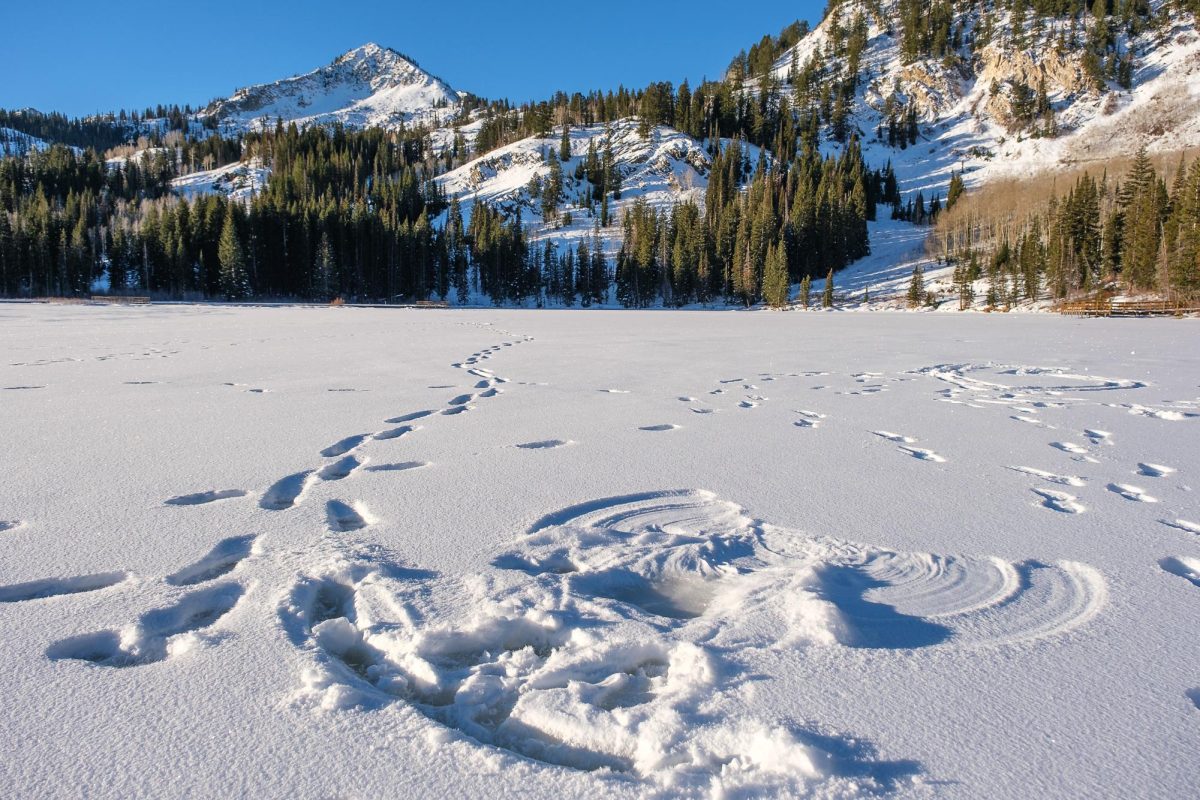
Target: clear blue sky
<point x="82" y="57"/>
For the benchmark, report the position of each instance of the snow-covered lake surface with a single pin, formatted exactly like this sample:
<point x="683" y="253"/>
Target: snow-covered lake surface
<point x="372" y="553"/>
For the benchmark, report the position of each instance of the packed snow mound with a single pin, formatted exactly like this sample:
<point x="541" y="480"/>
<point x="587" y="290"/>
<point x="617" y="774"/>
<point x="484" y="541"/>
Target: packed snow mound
<point x="966" y="105"/>
<point x="663" y="168"/>
<point x="603" y="638"/>
<point x="370" y="86"/>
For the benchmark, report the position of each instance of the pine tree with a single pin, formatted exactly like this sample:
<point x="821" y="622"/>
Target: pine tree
<point x="564" y="146"/>
<point x="235" y="283"/>
<point x="827" y="296"/>
<point x="806" y="291"/>
<point x="775" y="280"/>
<point x="916" y="288"/>
<point x="956" y="190"/>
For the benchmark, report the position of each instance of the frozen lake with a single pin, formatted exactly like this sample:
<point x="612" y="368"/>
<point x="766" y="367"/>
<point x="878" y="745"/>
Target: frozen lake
<point x="305" y="552"/>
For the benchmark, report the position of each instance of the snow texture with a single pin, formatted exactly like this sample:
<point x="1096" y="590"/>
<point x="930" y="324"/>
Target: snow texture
<point x="862" y="572"/>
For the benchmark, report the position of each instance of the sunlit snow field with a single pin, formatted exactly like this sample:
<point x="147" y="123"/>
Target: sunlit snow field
<point x="308" y="552"/>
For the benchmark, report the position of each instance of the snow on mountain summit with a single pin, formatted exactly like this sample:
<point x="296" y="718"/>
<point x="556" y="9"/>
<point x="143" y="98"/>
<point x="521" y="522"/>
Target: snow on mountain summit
<point x="369" y="86"/>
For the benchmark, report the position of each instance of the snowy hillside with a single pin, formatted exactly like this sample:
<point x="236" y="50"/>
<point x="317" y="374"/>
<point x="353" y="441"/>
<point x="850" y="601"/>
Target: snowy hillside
<point x="370" y="86"/>
<point x="965" y="106"/>
<point x="665" y="168"/>
<point x="16" y="143"/>
<point x="239" y="181"/>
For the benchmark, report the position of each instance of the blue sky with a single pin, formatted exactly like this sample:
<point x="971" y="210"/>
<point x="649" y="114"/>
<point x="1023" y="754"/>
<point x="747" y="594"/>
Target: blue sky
<point x="81" y="57"/>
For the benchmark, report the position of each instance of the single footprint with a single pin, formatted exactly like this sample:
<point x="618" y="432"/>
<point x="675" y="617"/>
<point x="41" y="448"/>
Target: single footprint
<point x="1183" y="567"/>
<point x="922" y="454"/>
<point x="342" y="468"/>
<point x="346" y="517"/>
<point x="805" y="423"/>
<point x="1097" y="436"/>
<point x="409" y="417"/>
<point x="350" y="443"/>
<point x="1154" y="470"/>
<point x="394" y="433"/>
<point x="1134" y="493"/>
<point x="461" y="400"/>
<point x="703" y="411"/>
<point x="221" y="560"/>
<point x="10" y="525"/>
<point x="895" y="437"/>
<point x="1059" y="501"/>
<point x="56" y="587"/>
<point x="1182" y="525"/>
<point x="286" y="492"/>
<point x="1061" y="480"/>
<point x="1194" y="696"/>
<point x="615" y="391"/>
<point x="451" y="412"/>
<point x="200" y="498"/>
<point x="659" y="428"/>
<point x="402" y="467"/>
<point x="147" y="641"/>
<point x="1068" y="447"/>
<point x="548" y="444"/>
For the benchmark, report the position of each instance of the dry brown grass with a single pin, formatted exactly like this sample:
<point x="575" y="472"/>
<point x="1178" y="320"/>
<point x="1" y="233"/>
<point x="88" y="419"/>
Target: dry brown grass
<point x="1004" y="207"/>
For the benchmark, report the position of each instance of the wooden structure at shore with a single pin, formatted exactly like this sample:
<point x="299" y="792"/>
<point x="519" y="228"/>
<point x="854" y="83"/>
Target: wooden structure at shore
<point x="1108" y="307"/>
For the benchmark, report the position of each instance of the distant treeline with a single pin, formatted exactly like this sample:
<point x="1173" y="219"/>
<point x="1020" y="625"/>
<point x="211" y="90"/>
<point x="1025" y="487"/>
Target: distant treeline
<point x="357" y="215"/>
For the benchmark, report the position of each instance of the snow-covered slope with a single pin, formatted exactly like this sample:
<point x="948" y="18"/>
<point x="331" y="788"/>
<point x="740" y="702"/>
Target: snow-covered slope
<point x="370" y="86"/>
<point x="965" y="105"/>
<point x="664" y="168"/>
<point x="16" y="143"/>
<point x="239" y="181"/>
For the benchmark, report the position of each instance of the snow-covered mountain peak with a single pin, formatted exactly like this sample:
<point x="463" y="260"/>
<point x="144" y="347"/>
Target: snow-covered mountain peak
<point x="369" y="86"/>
